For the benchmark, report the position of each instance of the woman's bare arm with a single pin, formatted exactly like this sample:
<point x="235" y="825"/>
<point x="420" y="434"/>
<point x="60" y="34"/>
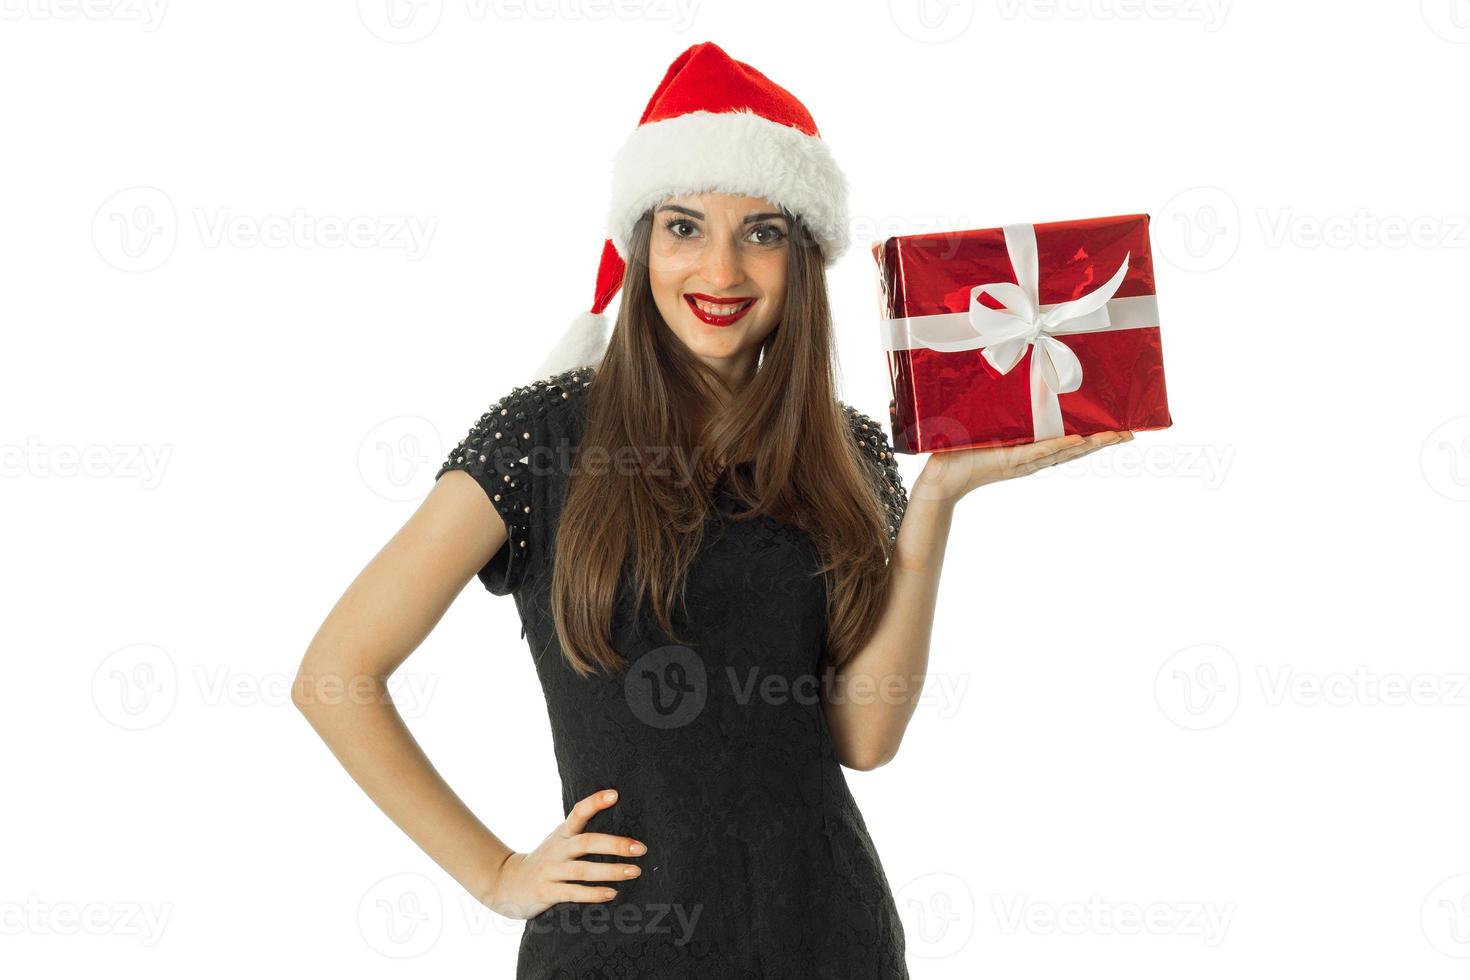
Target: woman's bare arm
<point x="341" y="686"/>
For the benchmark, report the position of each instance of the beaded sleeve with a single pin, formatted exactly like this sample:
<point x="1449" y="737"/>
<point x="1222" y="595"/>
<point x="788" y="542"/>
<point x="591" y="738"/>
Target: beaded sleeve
<point x="497" y="454"/>
<point x="494" y="453"/>
<point x="509" y="452"/>
<point x="873" y="445"/>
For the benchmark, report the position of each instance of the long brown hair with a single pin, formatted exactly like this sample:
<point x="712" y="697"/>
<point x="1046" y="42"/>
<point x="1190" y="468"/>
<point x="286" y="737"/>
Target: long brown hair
<point x="652" y="401"/>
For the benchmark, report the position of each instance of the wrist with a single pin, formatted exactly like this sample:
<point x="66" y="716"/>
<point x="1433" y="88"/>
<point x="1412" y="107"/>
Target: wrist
<point x="486" y="882"/>
<point x="937" y="485"/>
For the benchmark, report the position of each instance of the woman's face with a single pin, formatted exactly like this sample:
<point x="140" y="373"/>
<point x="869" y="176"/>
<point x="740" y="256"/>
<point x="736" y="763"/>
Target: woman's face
<point x="717" y="266"/>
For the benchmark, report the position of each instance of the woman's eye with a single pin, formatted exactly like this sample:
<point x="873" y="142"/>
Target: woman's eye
<point x="774" y="234"/>
<point x="763" y="234"/>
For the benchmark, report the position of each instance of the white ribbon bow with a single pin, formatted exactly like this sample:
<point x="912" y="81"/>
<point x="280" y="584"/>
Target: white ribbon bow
<point x="1006" y="334"/>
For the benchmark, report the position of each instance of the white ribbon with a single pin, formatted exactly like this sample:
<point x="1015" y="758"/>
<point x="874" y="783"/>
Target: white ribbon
<point x="1006" y="334"/>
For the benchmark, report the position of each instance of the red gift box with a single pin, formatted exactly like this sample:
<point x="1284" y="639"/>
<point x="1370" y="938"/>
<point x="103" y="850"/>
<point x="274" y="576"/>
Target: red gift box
<point x="1016" y="334"/>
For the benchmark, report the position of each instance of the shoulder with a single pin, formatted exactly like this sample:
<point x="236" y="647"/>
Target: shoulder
<point x="558" y="396"/>
<point x="502" y="452"/>
<point x="870" y="440"/>
<point x="869" y="437"/>
<point x="544" y="412"/>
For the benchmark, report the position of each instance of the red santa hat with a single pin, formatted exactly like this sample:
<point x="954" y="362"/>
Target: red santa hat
<point x="713" y="124"/>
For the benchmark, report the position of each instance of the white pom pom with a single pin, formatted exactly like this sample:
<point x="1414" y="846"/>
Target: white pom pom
<point x="583" y="343"/>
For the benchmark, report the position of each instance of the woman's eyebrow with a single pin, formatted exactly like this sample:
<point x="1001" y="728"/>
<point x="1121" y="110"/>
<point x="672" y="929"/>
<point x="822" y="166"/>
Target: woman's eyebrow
<point x="700" y="215"/>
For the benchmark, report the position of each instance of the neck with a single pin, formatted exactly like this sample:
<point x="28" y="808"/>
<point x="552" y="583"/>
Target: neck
<point x="736" y="372"/>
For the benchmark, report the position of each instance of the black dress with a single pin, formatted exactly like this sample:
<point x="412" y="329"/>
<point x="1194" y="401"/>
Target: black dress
<point x="759" y="865"/>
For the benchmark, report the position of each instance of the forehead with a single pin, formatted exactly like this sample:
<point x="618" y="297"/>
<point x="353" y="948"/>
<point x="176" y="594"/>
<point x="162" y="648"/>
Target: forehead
<point x="715" y="202"/>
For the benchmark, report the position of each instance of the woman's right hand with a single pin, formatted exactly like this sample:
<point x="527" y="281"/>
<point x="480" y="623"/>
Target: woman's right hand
<point x="950" y="474"/>
<point x="529" y="884"/>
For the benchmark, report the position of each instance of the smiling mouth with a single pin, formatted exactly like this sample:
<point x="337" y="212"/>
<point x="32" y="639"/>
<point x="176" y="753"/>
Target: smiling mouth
<point x="720" y="314"/>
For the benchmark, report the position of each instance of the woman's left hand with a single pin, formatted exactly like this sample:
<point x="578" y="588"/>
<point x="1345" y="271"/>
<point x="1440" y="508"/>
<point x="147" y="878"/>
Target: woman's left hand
<point x="951" y="474"/>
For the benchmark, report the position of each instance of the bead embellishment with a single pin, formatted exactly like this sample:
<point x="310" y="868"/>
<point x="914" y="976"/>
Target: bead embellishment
<point x="500" y="443"/>
<point x="491" y="449"/>
<point x="872" y="443"/>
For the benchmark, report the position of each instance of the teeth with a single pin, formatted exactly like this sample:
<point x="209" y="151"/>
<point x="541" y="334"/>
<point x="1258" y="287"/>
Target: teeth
<point x="725" y="310"/>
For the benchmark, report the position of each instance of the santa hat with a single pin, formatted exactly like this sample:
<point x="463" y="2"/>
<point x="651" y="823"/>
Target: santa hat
<point x="713" y="124"/>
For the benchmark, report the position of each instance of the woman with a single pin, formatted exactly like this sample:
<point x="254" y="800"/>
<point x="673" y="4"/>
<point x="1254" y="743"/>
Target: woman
<point x="726" y="591"/>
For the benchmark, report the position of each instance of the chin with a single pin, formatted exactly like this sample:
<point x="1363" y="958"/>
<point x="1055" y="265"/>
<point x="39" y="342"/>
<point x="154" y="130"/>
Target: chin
<point x="702" y="345"/>
<point x="709" y="342"/>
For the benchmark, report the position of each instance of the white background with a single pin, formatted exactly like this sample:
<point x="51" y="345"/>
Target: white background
<point x="1214" y="679"/>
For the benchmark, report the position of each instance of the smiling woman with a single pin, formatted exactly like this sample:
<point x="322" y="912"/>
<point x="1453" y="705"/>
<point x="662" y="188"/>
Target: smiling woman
<point x="710" y="268"/>
<point x="682" y="605"/>
<point x="760" y="563"/>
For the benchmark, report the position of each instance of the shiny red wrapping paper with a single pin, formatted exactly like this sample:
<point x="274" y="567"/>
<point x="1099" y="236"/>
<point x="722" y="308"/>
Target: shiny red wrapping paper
<point x="953" y="400"/>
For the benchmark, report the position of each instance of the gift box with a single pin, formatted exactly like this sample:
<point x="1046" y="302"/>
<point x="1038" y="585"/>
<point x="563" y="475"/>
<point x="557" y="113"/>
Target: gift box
<point x="1016" y="334"/>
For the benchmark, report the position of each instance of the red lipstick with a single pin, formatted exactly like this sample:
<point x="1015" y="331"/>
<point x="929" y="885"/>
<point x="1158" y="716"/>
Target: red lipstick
<point x="717" y="320"/>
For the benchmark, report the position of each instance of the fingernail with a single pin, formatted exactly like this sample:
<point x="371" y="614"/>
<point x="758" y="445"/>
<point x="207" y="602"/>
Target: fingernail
<point x="637" y="848"/>
<point x="610" y="795"/>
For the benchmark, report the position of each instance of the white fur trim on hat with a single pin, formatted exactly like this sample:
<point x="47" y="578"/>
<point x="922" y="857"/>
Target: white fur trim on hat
<point x="581" y="344"/>
<point x="736" y="152"/>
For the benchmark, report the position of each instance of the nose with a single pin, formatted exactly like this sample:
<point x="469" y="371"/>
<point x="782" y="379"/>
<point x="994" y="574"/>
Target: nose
<point x="720" y="264"/>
